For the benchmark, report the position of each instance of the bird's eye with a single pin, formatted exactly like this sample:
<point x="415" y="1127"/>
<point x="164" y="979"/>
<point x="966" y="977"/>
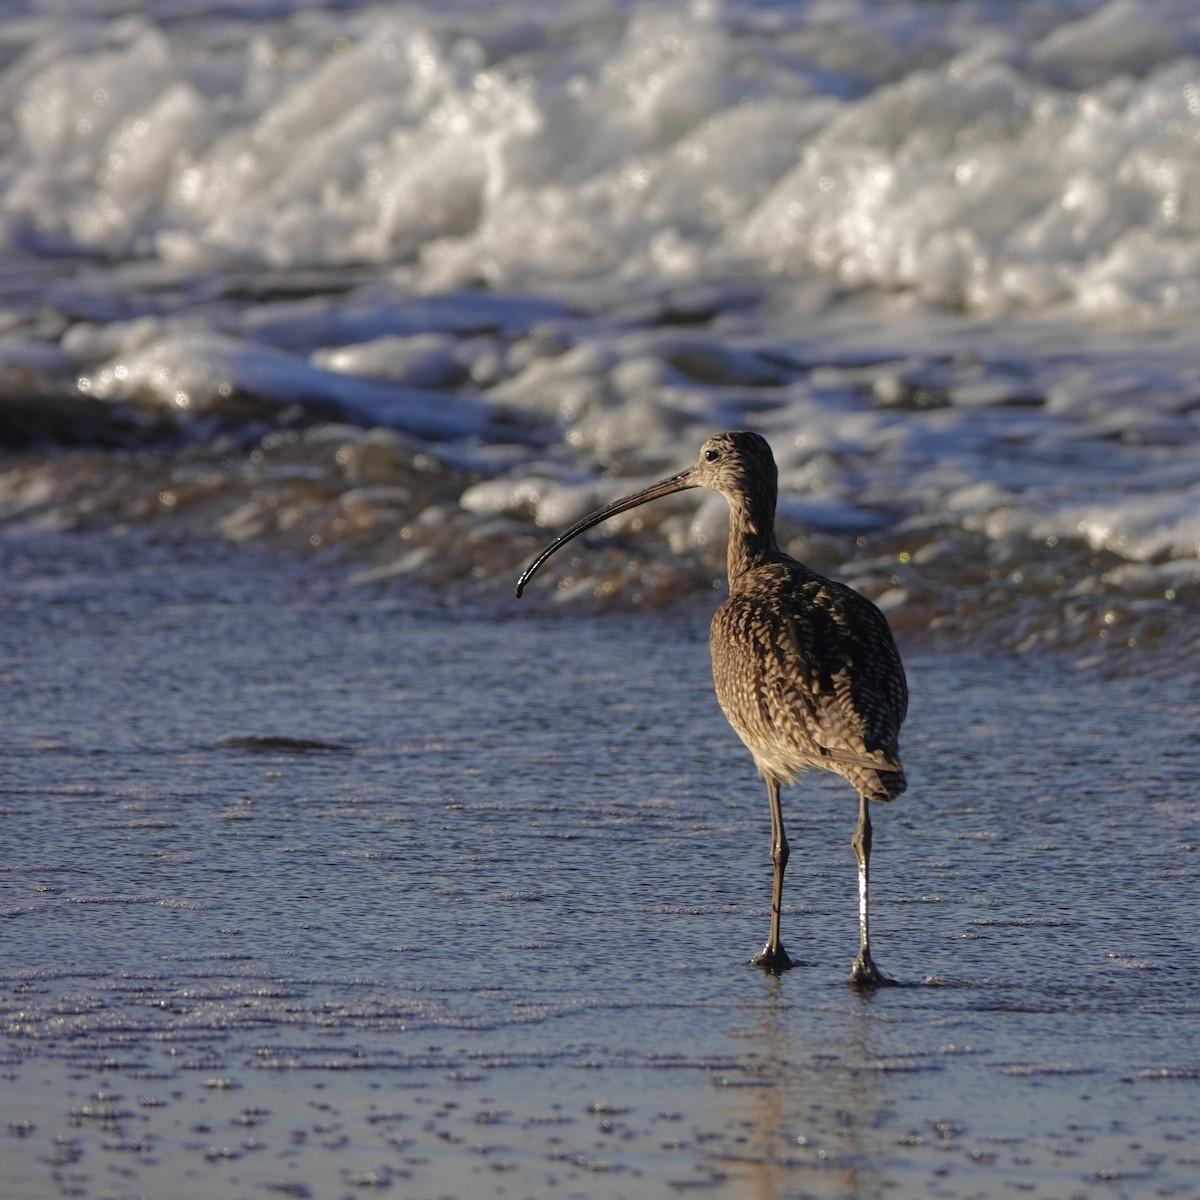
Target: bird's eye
<point x="711" y="455"/>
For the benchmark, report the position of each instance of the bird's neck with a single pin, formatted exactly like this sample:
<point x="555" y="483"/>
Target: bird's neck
<point x="751" y="537"/>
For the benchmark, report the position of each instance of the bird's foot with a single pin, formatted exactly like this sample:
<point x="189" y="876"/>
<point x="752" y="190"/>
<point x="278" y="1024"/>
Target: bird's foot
<point x="773" y="959"/>
<point x="865" y="974"/>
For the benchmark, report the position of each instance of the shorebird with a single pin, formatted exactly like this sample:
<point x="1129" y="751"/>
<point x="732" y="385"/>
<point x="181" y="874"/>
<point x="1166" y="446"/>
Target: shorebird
<point x="806" y="669"/>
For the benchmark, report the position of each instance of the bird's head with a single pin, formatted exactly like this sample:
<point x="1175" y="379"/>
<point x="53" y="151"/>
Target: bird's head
<point x="738" y="465"/>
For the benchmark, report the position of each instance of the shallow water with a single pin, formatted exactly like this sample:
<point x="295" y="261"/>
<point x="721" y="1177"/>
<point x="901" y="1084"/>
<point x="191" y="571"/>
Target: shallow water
<point x="314" y="889"/>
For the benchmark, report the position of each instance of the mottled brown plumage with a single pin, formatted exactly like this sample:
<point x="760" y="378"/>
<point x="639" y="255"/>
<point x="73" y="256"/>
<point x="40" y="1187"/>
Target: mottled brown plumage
<point x="806" y="670"/>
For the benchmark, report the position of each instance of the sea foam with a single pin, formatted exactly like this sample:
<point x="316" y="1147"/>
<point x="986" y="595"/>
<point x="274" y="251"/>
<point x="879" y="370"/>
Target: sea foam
<point x="489" y="265"/>
<point x="961" y="163"/>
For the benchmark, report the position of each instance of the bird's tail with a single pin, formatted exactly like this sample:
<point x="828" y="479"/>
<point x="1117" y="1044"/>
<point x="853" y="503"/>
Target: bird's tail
<point x="876" y="775"/>
<point x="888" y="785"/>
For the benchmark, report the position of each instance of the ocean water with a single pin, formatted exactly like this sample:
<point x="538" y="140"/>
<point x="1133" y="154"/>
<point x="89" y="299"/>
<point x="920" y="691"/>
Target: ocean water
<point x="410" y="281"/>
<point x="332" y="868"/>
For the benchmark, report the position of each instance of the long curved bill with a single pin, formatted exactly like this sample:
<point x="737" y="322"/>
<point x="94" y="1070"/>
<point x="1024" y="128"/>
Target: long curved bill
<point x="677" y="483"/>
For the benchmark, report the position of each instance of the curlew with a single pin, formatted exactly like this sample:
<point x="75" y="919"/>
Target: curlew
<point x="806" y="669"/>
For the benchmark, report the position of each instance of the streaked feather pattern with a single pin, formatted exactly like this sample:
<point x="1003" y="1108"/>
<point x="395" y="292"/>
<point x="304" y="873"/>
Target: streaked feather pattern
<point x="808" y="675"/>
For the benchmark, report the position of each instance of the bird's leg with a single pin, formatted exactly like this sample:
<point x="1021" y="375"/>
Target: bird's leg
<point x="773" y="957"/>
<point x="864" y="972"/>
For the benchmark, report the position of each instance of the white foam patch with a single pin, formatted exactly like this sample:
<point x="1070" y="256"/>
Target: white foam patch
<point x="958" y="156"/>
<point x="424" y="360"/>
<point x="210" y="374"/>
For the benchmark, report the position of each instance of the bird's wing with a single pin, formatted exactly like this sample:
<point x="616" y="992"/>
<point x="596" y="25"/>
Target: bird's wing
<point x="853" y="672"/>
<point x="812" y="678"/>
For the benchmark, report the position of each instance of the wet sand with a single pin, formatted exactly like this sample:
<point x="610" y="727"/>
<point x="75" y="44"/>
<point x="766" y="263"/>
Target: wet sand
<point x="319" y="891"/>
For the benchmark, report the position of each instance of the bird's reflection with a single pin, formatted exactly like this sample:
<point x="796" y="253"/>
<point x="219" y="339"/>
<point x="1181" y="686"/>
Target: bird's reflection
<point x="809" y="1121"/>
